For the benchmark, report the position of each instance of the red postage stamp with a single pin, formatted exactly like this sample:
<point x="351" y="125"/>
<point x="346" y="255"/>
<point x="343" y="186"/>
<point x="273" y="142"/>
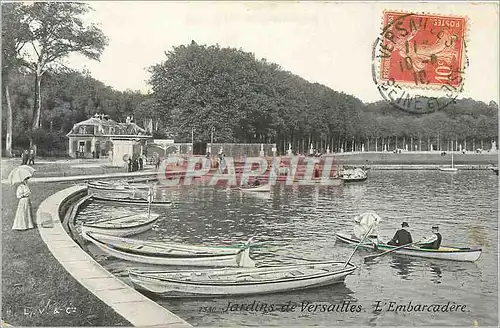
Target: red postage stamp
<point x="422" y="50"/>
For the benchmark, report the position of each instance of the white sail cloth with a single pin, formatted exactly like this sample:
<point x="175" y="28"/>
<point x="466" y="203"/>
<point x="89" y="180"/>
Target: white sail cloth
<point x="365" y="222"/>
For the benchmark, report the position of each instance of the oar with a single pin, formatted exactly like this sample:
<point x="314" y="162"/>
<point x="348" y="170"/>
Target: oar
<point x="357" y="246"/>
<point x="150" y="199"/>
<point x="371" y="257"/>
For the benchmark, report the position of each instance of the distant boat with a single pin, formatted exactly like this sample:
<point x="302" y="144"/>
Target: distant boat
<point x="495" y="169"/>
<point x="448" y="169"/>
<point x="132" y="201"/>
<point x="360" y="179"/>
<point x="354" y="175"/>
<point x="116" y="185"/>
<point x="261" y="188"/>
<point x="452" y="168"/>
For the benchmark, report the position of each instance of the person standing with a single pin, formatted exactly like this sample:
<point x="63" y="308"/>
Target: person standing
<point x="130" y="164"/>
<point x="31" y="158"/>
<point x="24" y="217"/>
<point x="25" y="156"/>
<point x="433" y="241"/>
<point x="141" y="163"/>
<point x="402" y="236"/>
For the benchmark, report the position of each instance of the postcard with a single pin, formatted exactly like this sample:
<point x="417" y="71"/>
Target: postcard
<point x="250" y="164"/>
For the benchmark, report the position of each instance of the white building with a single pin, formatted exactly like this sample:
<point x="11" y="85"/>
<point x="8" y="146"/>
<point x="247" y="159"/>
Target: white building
<point x="100" y="136"/>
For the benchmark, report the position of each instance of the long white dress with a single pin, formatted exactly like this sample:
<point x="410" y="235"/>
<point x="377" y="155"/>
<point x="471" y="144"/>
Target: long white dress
<point x="23" y="219"/>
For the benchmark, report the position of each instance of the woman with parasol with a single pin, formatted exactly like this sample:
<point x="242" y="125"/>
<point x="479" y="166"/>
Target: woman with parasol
<point x="24" y="217"/>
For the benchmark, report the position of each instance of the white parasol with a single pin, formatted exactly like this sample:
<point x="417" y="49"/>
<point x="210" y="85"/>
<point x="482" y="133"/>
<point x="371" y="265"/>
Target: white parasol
<point x="364" y="222"/>
<point x="20" y="173"/>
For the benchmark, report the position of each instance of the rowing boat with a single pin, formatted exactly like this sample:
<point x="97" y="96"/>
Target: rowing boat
<point x="132" y="201"/>
<point x="240" y="281"/>
<point x="360" y="179"/>
<point x="115" y="185"/>
<point x="354" y="175"/>
<point x="443" y="253"/>
<point x="448" y="169"/>
<point x="262" y="188"/>
<point x="124" y="226"/>
<point x="160" y="253"/>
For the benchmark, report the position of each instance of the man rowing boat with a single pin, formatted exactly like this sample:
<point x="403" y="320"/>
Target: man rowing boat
<point x="433" y="241"/>
<point x="402" y="236"/>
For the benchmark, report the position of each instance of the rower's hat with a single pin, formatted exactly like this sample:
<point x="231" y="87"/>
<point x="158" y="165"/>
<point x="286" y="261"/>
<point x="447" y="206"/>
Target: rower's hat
<point x="405" y="224"/>
<point x="435" y="227"/>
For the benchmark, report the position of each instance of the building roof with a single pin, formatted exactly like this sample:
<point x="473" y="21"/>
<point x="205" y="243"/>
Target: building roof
<point x="101" y="125"/>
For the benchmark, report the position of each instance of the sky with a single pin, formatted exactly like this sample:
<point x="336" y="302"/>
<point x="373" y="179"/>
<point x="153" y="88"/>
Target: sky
<point x="325" y="42"/>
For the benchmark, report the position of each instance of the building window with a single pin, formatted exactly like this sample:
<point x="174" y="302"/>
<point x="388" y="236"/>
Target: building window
<point x="81" y="146"/>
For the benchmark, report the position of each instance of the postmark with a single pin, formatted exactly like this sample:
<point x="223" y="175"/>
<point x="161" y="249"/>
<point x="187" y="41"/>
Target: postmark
<point x="419" y="60"/>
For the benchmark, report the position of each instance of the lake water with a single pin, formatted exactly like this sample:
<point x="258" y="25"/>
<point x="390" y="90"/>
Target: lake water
<point x="302" y="221"/>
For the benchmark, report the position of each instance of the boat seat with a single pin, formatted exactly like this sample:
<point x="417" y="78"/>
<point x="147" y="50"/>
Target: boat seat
<point x="448" y="249"/>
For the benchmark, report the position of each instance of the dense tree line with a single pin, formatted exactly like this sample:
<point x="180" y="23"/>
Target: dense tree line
<point x="68" y="97"/>
<point x="36" y="37"/>
<point x="248" y="100"/>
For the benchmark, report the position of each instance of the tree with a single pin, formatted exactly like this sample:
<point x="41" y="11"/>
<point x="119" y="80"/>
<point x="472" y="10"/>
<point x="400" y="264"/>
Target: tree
<point x="14" y="37"/>
<point x="57" y="30"/>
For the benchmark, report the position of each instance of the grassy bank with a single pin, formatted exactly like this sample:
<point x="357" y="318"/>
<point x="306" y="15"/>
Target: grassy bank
<point x="36" y="289"/>
<point x="51" y="168"/>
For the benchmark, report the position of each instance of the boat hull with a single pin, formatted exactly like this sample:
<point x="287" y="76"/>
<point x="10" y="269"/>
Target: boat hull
<point x="264" y="188"/>
<point x="445" y="253"/>
<point x="218" y="258"/>
<point x="171" y="288"/>
<point x="130" y="201"/>
<point x="448" y="169"/>
<point x="347" y="180"/>
<point x="120" y="230"/>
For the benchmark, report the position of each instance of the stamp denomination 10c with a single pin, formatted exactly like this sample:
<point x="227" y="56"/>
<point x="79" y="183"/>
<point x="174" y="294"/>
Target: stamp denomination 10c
<point x="422" y="50"/>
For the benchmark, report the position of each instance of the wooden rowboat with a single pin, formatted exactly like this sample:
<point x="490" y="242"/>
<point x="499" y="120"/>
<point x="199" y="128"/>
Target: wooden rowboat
<point x="131" y="201"/>
<point x="495" y="169"/>
<point x="448" y="169"/>
<point x="443" y="253"/>
<point x="116" y="185"/>
<point x="355" y="179"/>
<point x="161" y="253"/>
<point x="236" y="281"/>
<point x="124" y="226"/>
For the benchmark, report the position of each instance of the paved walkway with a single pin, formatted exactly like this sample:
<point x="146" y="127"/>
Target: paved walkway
<point x="91" y="177"/>
<point x="132" y="305"/>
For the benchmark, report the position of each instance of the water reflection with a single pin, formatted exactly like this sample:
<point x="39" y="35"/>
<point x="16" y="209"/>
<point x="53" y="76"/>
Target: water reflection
<point x="356" y="190"/>
<point x="478" y="235"/>
<point x="436" y="273"/>
<point x="301" y="222"/>
<point x="403" y="265"/>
